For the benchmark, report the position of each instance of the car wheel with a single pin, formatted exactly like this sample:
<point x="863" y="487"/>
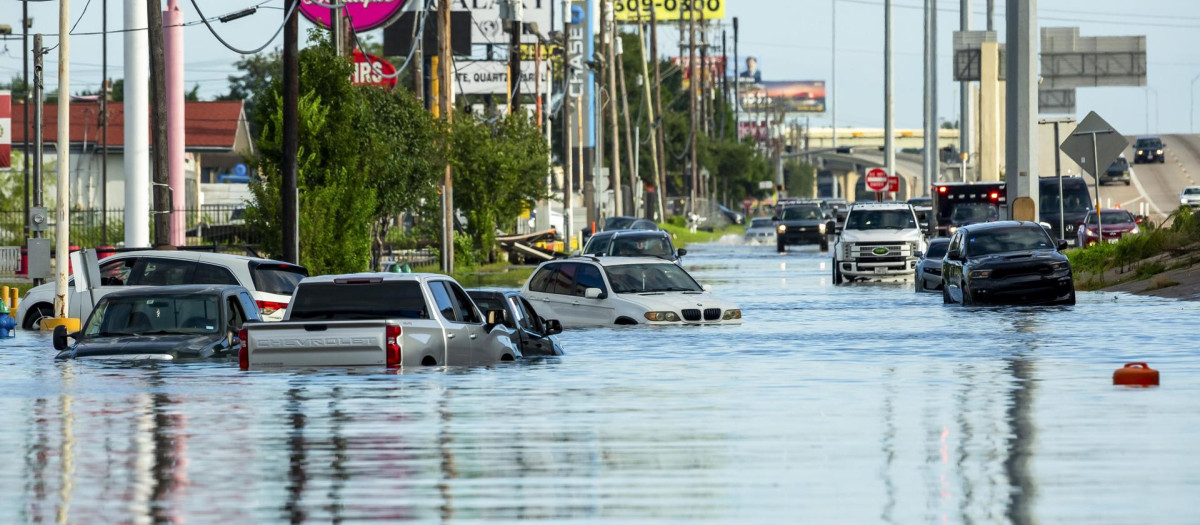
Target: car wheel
<point x="837" y="274"/>
<point x="35" y="316"/>
<point x="946" y="296"/>
<point x="780" y="247"/>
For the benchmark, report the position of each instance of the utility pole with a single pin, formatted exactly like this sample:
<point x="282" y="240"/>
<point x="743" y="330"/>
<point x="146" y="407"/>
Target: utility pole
<point x="175" y="145"/>
<point x="568" y="130"/>
<point x="137" y="125"/>
<point x="158" y="100"/>
<point x="660" y="186"/>
<point x="965" y="128"/>
<point x="634" y="179"/>
<point x="991" y="14"/>
<point x="514" y="55"/>
<point x="337" y="29"/>
<point x="289" y="188"/>
<point x="104" y="89"/>
<point x="418" y="64"/>
<point x="833" y="81"/>
<point x="445" y="91"/>
<point x="692" y="96"/>
<point x="930" y="153"/>
<point x="1021" y="99"/>
<point x="611" y="66"/>
<point x="889" y="122"/>
<point x="39" y="86"/>
<point x="659" y="133"/>
<point x="724" y="82"/>
<point x="737" y="89"/>
<point x="63" y="148"/>
<point x="25" y="67"/>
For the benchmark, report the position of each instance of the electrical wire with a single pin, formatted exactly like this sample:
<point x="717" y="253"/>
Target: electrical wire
<point x="291" y="12"/>
<point x="418" y="33"/>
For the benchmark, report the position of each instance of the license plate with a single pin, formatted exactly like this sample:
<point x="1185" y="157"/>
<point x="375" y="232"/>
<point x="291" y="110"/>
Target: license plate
<point x="1112" y="241"/>
<point x="880" y="270"/>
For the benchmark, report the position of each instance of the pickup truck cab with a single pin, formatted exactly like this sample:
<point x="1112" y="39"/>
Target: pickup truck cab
<point x="879" y="241"/>
<point x="378" y="319"/>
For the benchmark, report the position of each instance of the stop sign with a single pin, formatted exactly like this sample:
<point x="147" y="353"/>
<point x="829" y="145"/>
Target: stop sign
<point x="877" y="179"/>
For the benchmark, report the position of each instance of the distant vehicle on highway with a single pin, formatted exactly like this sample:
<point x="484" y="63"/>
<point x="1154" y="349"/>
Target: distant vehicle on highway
<point x="1190" y="196"/>
<point x="1117" y="223"/>
<point x="633" y="243"/>
<point x="1006" y="262"/>
<point x="530" y="332"/>
<point x="162" y="323"/>
<point x="879" y="241"/>
<point x="590" y="291"/>
<point x="1075" y="203"/>
<point x="805" y="223"/>
<point x="761" y="231"/>
<point x="1149" y="149"/>
<point x="1118" y="172"/>
<point x="929" y="268"/>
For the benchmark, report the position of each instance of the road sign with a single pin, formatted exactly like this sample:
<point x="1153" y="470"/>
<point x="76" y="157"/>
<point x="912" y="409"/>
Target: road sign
<point x="877" y="179"/>
<point x="765" y="184"/>
<point x="1098" y="156"/>
<point x="370" y="70"/>
<point x="894" y="183"/>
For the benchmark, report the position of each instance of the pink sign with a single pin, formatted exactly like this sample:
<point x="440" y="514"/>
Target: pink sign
<point x="364" y="15"/>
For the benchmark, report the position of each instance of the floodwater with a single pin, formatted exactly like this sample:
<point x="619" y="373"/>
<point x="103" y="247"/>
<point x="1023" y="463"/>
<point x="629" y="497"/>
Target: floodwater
<point x="852" y="404"/>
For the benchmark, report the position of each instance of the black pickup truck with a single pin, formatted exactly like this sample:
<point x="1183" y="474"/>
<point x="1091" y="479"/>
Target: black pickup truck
<point x="804" y="223"/>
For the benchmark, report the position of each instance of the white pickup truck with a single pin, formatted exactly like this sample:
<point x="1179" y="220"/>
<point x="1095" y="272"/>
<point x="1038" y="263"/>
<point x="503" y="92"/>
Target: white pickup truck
<point x="384" y="319"/>
<point x="879" y="241"/>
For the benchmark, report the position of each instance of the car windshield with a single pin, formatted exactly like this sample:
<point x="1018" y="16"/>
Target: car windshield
<point x="159" y="314"/>
<point x="643" y="278"/>
<point x="1195" y="190"/>
<point x="801" y="213"/>
<point x="618" y="223"/>
<point x="1006" y="240"/>
<point x="1149" y="143"/>
<point x="880" y="220"/>
<point x="1111" y="217"/>
<point x="280" y="279"/>
<point x="641" y="247"/>
<point x="972" y="213"/>
<point x="760" y="223"/>
<point x="349" y="302"/>
<point x="937" y="250"/>
<point x="1076" y="198"/>
<point x="1119" y="165"/>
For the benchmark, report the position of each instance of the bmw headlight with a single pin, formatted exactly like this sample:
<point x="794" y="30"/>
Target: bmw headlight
<point x="732" y="314"/>
<point x="980" y="274"/>
<point x="781" y="228"/>
<point x="669" y="317"/>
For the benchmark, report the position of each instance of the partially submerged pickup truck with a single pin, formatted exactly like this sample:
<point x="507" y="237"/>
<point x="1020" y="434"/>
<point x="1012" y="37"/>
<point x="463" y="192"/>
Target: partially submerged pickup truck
<point x="378" y="319"/>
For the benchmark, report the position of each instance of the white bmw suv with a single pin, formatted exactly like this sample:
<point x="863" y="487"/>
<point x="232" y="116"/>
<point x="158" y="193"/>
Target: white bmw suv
<point x="592" y="291"/>
<point x="879" y="241"/>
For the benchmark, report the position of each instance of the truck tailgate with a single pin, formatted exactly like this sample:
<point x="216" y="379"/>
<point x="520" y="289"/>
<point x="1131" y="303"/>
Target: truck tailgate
<point x="317" y="344"/>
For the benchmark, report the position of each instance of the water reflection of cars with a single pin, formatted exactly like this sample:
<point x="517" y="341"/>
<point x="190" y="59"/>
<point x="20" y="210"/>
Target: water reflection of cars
<point x="533" y="334"/>
<point x="1117" y="172"/>
<point x="161" y="324"/>
<point x="1006" y="262"/>
<point x="802" y="224"/>
<point x="1116" y="223"/>
<point x="929" y="267"/>
<point x="761" y="230"/>
<point x="589" y="291"/>
<point x="1190" y="196"/>
<point x="1149" y="149"/>
<point x="633" y="243"/>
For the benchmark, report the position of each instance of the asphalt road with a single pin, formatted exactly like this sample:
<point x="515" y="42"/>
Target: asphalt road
<point x="1158" y="184"/>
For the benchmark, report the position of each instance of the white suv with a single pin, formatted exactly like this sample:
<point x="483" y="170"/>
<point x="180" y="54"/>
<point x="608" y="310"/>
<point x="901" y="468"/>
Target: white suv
<point x="592" y="291"/>
<point x="270" y="282"/>
<point x="879" y="241"/>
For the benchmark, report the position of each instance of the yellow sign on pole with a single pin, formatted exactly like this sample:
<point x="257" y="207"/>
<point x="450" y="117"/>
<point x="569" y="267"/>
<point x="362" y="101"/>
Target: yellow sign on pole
<point x="668" y="11"/>
<point x="434" y="86"/>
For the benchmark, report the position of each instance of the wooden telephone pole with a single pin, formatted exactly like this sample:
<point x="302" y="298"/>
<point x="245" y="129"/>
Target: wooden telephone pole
<point x="158" y="122"/>
<point x="445" y="91"/>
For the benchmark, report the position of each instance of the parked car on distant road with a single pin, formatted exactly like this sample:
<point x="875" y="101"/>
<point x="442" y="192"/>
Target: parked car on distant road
<point x="761" y="231"/>
<point x="1117" y="172"/>
<point x="929" y="268"/>
<point x="1149" y="149"/>
<point x="1006" y="262"/>
<point x="590" y="291"/>
<point x="1190" y="196"/>
<point x="533" y="334"/>
<point x="804" y="223"/>
<point x="633" y="243"/>
<point x="379" y="319"/>
<point x="1117" y="223"/>
<point x="162" y="323"/>
<point x="271" y="283"/>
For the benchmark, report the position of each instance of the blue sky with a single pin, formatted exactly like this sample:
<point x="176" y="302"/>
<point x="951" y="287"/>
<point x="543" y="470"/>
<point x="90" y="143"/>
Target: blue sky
<point x="791" y="38"/>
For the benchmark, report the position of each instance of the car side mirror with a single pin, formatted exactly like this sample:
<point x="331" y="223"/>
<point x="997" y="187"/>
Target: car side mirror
<point x="920" y="255"/>
<point x="681" y="252"/>
<point x="60" y="338"/>
<point x="1062" y="244"/>
<point x="954" y="255"/>
<point x="553" y="326"/>
<point x="494" y="319"/>
<point x="594" y="293"/>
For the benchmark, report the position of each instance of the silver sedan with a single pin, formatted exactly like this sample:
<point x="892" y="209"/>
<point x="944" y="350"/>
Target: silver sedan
<point x="929" y="268"/>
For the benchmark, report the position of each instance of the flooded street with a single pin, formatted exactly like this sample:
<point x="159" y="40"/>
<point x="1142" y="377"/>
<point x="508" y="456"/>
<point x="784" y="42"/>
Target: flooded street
<point x="851" y="404"/>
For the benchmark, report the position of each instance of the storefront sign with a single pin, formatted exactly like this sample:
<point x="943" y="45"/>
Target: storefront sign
<point x="370" y="70"/>
<point x="666" y="11"/>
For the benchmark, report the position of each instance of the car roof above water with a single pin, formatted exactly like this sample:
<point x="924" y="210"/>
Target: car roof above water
<point x="998" y="225"/>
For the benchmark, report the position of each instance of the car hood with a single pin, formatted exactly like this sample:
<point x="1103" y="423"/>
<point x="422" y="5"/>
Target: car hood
<point x="130" y="347"/>
<point x="806" y="222"/>
<point x="675" y="301"/>
<point x="881" y="235"/>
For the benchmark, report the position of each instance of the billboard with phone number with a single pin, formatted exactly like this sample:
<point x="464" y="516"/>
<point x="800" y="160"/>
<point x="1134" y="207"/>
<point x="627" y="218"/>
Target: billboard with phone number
<point x="668" y="10"/>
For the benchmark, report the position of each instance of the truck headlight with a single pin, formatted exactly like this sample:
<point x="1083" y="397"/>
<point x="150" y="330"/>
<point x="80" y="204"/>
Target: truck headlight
<point x="1060" y="265"/>
<point x="821" y="228"/>
<point x="1159" y="152"/>
<point x="669" y="317"/>
<point x="732" y="314"/>
<point x="980" y="274"/>
<point x="781" y="228"/>
<point x="1140" y="152"/>
<point x="953" y="229"/>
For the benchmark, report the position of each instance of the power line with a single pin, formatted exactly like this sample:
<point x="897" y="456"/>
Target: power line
<point x="288" y="16"/>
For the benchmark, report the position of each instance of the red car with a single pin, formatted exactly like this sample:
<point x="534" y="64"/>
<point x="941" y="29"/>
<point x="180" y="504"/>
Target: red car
<point x="1117" y="223"/>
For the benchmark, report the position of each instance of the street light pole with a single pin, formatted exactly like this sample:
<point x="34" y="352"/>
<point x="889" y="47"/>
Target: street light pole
<point x="1192" y="117"/>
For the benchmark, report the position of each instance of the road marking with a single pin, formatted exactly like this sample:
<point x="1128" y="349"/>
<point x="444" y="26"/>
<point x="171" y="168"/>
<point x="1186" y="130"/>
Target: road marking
<point x="1142" y="191"/>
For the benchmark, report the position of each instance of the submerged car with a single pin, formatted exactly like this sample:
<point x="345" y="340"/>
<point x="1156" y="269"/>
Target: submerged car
<point x="532" y="333"/>
<point x="1116" y="223"/>
<point x="804" y="223"/>
<point x="1006" y="262"/>
<point x="761" y="230"/>
<point x="592" y="291"/>
<point x="162" y="324"/>
<point x="929" y="267"/>
<point x="1149" y="149"/>
<point x="633" y="243"/>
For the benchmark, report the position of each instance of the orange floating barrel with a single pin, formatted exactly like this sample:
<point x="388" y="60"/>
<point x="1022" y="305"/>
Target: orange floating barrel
<point x="1136" y="374"/>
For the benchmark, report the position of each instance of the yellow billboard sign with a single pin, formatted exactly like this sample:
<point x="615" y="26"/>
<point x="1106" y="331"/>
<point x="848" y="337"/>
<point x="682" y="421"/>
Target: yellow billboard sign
<point x="666" y="11"/>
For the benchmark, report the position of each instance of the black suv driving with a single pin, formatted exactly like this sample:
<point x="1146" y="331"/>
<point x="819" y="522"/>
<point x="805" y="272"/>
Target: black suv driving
<point x="1149" y="149"/>
<point x="1006" y="262"/>
<point x="801" y="224"/>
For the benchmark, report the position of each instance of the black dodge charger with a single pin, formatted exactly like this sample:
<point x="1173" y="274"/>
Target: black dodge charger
<point x="1006" y="262"/>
